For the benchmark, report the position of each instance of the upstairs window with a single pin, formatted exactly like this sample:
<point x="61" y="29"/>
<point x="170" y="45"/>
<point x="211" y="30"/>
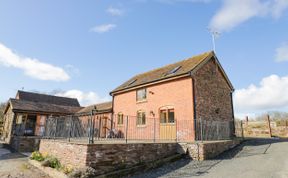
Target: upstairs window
<point x="141" y="118"/>
<point x="141" y="95"/>
<point x="120" y="119"/>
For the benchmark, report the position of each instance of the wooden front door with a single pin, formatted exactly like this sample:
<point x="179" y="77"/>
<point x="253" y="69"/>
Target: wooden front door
<point x="103" y="127"/>
<point x="167" y="124"/>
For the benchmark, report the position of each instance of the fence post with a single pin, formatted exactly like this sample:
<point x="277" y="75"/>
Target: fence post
<point x="217" y="128"/>
<point x="69" y="135"/>
<point x="176" y="125"/>
<point x="269" y="125"/>
<point x="154" y="129"/>
<point x="93" y="129"/>
<point x="100" y="127"/>
<point x="55" y="128"/>
<point x="242" y="130"/>
<point x="91" y="137"/>
<point x="127" y="129"/>
<point x="201" y="129"/>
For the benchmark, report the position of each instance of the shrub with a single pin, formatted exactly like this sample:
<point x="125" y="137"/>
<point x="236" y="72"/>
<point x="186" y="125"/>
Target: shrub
<point x="67" y="169"/>
<point x="36" y="155"/>
<point x="84" y="172"/>
<point x="51" y="162"/>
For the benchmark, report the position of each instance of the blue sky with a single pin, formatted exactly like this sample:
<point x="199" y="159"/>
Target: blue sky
<point x="85" y="49"/>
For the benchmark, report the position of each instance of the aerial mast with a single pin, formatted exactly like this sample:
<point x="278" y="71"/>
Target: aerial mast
<point x="215" y="34"/>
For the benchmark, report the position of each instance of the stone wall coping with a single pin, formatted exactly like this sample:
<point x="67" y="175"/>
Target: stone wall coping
<point x="108" y="143"/>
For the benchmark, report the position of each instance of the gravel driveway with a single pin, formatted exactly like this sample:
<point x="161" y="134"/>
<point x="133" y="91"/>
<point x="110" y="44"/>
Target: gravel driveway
<point x="14" y="165"/>
<point x="259" y="158"/>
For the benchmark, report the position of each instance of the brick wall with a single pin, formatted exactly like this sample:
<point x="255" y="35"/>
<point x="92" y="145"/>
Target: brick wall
<point x="212" y="93"/>
<point x="177" y="94"/>
<point x="107" y="157"/>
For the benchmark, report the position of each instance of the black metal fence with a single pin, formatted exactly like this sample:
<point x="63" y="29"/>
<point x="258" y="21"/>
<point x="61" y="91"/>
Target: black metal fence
<point x="214" y="130"/>
<point x="93" y="129"/>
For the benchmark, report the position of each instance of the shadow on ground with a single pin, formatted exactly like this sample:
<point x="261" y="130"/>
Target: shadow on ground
<point x="12" y="155"/>
<point x="187" y="167"/>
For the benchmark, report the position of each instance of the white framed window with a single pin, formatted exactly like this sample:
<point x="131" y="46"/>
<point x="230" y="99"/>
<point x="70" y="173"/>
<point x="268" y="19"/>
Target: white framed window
<point x="141" y="118"/>
<point x="141" y="95"/>
<point x="120" y="119"/>
<point x="167" y="116"/>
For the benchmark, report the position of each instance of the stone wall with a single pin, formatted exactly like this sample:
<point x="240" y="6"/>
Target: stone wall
<point x="107" y="157"/>
<point x="8" y="125"/>
<point x="212" y="93"/>
<point x="25" y="144"/>
<point x="206" y="150"/>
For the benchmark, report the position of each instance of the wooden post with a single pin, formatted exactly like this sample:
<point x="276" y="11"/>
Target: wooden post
<point x="269" y="125"/>
<point x="242" y="130"/>
<point x="247" y="120"/>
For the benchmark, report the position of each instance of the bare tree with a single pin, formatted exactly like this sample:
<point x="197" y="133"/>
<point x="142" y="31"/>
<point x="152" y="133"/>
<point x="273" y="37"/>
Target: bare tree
<point x="274" y="116"/>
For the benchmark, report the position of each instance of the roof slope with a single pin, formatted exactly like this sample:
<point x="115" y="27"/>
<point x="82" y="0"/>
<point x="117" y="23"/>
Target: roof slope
<point x="101" y="107"/>
<point x="39" y="107"/>
<point x="181" y="67"/>
<point x="43" y="98"/>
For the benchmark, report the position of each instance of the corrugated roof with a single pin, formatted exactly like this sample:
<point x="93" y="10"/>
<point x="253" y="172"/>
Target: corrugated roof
<point x="180" y="68"/>
<point x="50" y="99"/>
<point x="101" y="107"/>
<point x="38" y="107"/>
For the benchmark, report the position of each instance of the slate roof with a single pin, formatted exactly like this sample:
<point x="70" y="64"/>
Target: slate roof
<point x="40" y="107"/>
<point x="181" y="67"/>
<point x="50" y="99"/>
<point x="100" y="108"/>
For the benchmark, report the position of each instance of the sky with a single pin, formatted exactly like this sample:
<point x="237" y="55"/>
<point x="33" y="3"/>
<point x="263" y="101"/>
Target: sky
<point x="85" y="49"/>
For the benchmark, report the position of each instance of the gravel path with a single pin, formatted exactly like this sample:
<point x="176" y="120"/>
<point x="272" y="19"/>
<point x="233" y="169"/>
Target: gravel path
<point x="259" y="158"/>
<point x="15" y="165"/>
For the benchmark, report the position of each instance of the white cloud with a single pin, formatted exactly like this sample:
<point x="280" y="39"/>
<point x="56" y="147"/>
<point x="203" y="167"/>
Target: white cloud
<point x="32" y="67"/>
<point x="85" y="98"/>
<point x="282" y="53"/>
<point x="103" y="28"/>
<point x="235" y="12"/>
<point x="271" y="94"/>
<point x="115" y="11"/>
<point x="279" y="7"/>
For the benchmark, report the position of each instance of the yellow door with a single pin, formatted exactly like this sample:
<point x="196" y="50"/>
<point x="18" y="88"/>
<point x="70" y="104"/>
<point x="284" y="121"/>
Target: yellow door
<point x="167" y="125"/>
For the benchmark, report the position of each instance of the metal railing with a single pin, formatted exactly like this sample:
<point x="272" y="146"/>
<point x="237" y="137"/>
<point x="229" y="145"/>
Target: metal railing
<point x="93" y="129"/>
<point x="214" y="130"/>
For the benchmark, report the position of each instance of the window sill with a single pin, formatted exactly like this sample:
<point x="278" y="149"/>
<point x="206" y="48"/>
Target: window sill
<point x="120" y="125"/>
<point x="141" y="126"/>
<point x="142" y="101"/>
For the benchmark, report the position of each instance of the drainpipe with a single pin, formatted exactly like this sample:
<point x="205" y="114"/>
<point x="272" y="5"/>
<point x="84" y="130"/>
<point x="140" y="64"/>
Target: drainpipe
<point x="112" y="115"/>
<point x="233" y="118"/>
